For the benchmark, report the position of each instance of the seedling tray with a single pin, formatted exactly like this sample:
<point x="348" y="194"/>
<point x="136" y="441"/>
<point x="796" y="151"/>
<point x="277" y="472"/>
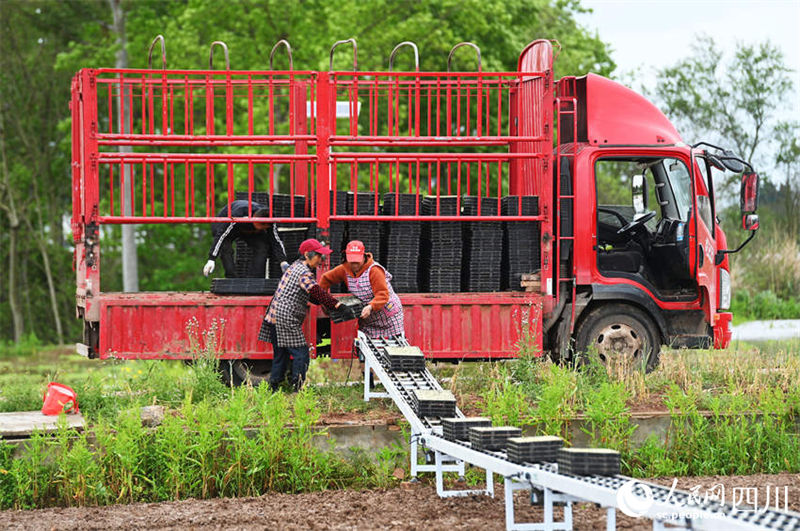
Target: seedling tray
<point x="543" y="449"/>
<point x="430" y="403"/>
<point x="244" y="286"/>
<point x="405" y="358"/>
<point x="492" y="438"/>
<point x="457" y="429"/>
<point x="588" y="461"/>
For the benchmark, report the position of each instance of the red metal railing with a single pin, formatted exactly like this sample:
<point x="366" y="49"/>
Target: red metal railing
<point x="174" y="146"/>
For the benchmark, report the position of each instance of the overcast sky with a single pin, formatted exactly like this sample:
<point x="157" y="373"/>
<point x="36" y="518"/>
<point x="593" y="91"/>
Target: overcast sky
<point x="649" y="34"/>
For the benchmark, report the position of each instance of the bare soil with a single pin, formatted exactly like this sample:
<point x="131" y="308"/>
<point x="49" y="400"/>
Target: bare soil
<point x="409" y="506"/>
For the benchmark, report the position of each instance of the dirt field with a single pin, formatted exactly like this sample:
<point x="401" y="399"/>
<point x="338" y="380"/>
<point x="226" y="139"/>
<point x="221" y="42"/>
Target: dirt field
<point x="410" y="506"/>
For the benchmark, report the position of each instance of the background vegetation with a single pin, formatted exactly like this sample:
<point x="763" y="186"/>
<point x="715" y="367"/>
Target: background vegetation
<point x="732" y="412"/>
<point x="42" y="45"/>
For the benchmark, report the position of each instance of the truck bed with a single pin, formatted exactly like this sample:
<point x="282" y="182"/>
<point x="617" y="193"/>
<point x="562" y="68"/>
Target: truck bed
<point x="162" y="325"/>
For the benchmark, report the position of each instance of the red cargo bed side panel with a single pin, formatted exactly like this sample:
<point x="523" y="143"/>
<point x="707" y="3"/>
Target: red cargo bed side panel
<point x="461" y="325"/>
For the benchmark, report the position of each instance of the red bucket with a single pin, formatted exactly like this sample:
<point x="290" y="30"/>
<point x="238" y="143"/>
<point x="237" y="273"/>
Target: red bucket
<point x="59" y="398"/>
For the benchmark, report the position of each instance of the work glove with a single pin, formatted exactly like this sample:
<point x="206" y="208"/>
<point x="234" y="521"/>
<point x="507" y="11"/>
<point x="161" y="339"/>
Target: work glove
<point x="284" y="266"/>
<point x="208" y="268"/>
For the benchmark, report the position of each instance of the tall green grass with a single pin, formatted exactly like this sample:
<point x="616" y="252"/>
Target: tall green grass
<point x="253" y="443"/>
<point x="732" y="412"/>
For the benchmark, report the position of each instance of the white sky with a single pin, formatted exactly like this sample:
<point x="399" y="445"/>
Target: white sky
<point x="646" y="35"/>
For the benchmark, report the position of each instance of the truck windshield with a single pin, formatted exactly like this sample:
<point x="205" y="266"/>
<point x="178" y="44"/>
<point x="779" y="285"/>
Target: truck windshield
<point x="681" y="185"/>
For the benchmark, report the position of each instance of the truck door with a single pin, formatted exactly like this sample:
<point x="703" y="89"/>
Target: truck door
<point x="703" y="223"/>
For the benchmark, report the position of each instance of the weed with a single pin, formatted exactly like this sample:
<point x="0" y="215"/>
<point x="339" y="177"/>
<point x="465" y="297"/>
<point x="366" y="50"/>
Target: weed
<point x="557" y="400"/>
<point x="608" y="416"/>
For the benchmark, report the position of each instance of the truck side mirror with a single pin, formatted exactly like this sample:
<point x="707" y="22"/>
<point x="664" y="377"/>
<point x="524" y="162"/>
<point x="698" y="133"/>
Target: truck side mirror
<point x="750" y="222"/>
<point x="748" y="193"/>
<point x="639" y="193"/>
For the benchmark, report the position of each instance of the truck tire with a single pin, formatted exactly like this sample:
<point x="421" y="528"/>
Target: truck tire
<point x="244" y="372"/>
<point x="619" y="329"/>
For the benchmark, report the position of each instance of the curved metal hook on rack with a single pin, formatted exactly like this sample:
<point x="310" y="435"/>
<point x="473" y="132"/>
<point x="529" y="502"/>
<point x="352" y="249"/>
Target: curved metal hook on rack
<point x="557" y="44"/>
<point x="459" y="45"/>
<point x="355" y="53"/>
<point x="288" y="47"/>
<point x="211" y="55"/>
<point x="396" y="48"/>
<point x="163" y="53"/>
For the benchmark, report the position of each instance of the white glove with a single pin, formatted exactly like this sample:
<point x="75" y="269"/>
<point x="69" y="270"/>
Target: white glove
<point x="208" y="268"/>
<point x="284" y="266"/>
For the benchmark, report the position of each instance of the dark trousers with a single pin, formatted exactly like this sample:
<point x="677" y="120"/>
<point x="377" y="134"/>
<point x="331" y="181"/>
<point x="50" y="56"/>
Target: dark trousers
<point x="280" y="362"/>
<point x="258" y="262"/>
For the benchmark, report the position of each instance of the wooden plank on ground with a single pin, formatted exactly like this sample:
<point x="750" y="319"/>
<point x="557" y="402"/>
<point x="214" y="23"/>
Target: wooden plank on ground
<point x="24" y="423"/>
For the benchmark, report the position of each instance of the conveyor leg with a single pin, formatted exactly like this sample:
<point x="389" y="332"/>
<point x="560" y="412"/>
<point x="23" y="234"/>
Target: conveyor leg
<point x="414" y="456"/>
<point x="441" y="468"/>
<point x="367" y="392"/>
<point x="548" y="507"/>
<point x="611" y="518"/>
<point x="549" y="497"/>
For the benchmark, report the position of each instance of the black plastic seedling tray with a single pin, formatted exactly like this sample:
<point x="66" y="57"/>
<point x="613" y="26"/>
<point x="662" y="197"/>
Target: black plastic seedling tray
<point x="492" y="438"/>
<point x="350" y="309"/>
<point x="588" y="461"/>
<point x="432" y="403"/>
<point x="541" y="449"/>
<point x="457" y="429"/>
<point x="244" y="286"/>
<point x="405" y="358"/>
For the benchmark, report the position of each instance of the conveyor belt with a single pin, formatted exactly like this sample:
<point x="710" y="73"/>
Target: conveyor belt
<point x="663" y="505"/>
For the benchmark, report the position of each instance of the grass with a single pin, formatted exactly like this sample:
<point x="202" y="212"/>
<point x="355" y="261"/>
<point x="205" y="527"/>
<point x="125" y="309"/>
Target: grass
<point x="733" y="411"/>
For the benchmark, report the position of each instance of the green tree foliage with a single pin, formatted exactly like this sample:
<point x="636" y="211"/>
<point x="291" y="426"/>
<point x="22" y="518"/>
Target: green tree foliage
<point x="735" y="102"/>
<point x="739" y="103"/>
<point x="43" y="44"/>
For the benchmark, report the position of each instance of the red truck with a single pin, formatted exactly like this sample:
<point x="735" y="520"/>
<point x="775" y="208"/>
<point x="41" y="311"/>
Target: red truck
<point x="620" y="245"/>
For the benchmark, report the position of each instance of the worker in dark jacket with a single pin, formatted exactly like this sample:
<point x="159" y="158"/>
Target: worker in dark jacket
<point x="283" y="324"/>
<point x="261" y="238"/>
<point x="368" y="280"/>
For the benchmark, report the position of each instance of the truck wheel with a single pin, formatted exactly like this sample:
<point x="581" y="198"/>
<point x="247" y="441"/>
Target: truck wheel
<point x="619" y="330"/>
<point x="243" y="372"/>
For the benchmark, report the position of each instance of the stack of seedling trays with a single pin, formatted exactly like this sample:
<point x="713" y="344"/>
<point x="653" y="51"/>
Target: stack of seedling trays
<point x="431" y="403"/>
<point x="520" y="241"/>
<point x="442" y="247"/>
<point x="483" y="246"/>
<point x="368" y="232"/>
<point x="542" y="449"/>
<point x="401" y="242"/>
<point x="336" y="234"/>
<point x="350" y="309"/>
<point x="492" y="438"/>
<point x="588" y="461"/>
<point x="457" y="429"/>
<point x="404" y="359"/>
<point x="244" y="286"/>
<point x="292" y="234"/>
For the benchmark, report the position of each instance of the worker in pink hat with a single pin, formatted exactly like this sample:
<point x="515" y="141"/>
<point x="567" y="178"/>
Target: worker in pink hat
<point x="366" y="279"/>
<point x="283" y="322"/>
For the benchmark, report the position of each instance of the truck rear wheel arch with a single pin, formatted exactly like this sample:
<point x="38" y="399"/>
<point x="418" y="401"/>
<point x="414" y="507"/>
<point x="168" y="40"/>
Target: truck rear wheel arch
<point x="630" y="295"/>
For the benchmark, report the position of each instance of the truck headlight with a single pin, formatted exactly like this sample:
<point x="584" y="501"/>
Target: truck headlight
<point x="724" y="290"/>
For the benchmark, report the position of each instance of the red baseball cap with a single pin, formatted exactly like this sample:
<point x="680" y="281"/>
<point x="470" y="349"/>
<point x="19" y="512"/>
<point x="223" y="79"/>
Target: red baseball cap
<point x="312" y="245"/>
<point x="354" y="251"/>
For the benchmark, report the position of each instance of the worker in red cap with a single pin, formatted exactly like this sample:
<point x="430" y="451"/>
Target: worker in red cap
<point x="283" y="322"/>
<point x="366" y="279"/>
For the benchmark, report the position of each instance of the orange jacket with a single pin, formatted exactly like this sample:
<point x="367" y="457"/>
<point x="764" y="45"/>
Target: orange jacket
<point x="377" y="280"/>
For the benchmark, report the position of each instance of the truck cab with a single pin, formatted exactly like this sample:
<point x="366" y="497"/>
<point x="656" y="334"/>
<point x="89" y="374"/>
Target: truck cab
<point x="650" y="260"/>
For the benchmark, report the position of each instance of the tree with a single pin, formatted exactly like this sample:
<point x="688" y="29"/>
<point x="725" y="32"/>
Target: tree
<point x="43" y="44"/>
<point x="734" y="103"/>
